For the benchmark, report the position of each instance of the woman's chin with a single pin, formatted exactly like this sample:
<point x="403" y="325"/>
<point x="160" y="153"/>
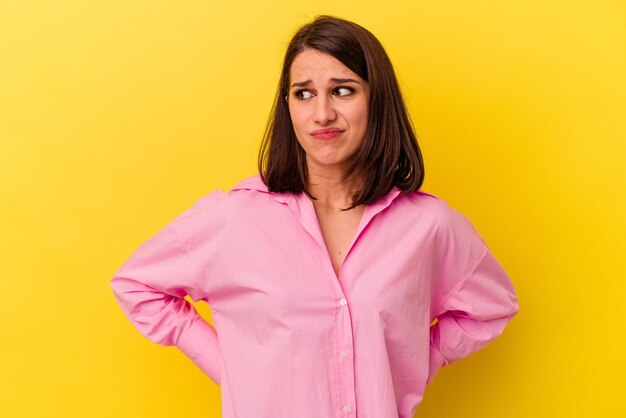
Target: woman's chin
<point x="329" y="161"/>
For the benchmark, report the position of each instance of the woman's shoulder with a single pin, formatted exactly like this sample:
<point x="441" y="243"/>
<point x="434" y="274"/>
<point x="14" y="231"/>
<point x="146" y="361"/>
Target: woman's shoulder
<point x="209" y="215"/>
<point x="252" y="182"/>
<point x="436" y="211"/>
<point x="226" y="202"/>
<point x="427" y="203"/>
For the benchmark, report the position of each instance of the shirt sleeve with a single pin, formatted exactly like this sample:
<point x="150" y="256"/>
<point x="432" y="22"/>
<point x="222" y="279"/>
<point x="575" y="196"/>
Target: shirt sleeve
<point x="478" y="297"/>
<point x="151" y="286"/>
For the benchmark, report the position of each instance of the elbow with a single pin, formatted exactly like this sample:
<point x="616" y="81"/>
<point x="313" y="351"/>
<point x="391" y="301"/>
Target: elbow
<point x="158" y="316"/>
<point x="142" y="306"/>
<point x="495" y="323"/>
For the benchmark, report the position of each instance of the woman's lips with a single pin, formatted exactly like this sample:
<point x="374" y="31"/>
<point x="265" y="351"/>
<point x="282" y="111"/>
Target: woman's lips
<point x="326" y="134"/>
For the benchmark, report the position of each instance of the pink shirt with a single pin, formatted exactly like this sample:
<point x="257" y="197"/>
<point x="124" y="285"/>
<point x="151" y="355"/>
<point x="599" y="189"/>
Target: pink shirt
<point x="293" y="339"/>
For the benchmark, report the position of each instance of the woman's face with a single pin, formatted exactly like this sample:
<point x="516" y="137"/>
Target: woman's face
<point x="328" y="104"/>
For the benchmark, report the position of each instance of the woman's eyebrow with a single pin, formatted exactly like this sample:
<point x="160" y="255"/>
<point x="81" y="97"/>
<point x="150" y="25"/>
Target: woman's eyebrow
<point x="344" y="80"/>
<point x="334" y="80"/>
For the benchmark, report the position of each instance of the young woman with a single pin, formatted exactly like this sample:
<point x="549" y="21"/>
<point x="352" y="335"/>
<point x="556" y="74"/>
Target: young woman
<point x="337" y="287"/>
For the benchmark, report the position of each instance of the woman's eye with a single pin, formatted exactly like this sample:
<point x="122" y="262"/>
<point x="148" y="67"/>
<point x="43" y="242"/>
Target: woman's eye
<point x="303" y="94"/>
<point x="344" y="91"/>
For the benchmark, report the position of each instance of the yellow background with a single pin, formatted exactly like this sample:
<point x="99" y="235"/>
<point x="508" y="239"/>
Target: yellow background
<point x="115" y="116"/>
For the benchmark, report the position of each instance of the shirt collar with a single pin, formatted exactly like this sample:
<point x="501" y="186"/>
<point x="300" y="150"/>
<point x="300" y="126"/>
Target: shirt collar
<point x="255" y="182"/>
<point x="302" y="206"/>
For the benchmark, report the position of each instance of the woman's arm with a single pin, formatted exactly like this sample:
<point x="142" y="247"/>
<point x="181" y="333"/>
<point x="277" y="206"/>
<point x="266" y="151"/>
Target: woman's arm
<point x="151" y="286"/>
<point x="475" y="296"/>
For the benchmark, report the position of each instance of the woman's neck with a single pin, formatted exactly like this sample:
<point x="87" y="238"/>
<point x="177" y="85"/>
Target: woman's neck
<point x="330" y="192"/>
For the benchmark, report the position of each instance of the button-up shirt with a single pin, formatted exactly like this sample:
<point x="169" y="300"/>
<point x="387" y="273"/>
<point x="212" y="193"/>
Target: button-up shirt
<point x="418" y="289"/>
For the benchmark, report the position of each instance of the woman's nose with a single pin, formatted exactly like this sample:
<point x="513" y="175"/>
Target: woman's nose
<point x="324" y="110"/>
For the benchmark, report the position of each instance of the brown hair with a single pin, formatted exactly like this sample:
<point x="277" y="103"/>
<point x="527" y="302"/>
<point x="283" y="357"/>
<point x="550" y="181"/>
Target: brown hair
<point x="390" y="155"/>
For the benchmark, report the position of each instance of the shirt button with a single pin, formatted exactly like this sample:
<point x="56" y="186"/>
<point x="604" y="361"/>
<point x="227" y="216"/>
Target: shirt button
<point x="343" y="302"/>
<point x="344" y="354"/>
<point x="346" y="408"/>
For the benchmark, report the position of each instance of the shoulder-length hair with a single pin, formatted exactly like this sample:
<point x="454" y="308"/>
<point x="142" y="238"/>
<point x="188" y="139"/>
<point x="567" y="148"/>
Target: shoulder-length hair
<point x="389" y="156"/>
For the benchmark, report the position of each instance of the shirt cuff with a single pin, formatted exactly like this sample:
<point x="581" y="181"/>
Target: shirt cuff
<point x="201" y="344"/>
<point x="436" y="361"/>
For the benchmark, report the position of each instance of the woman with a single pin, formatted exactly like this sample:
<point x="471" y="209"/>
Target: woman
<point x="337" y="287"/>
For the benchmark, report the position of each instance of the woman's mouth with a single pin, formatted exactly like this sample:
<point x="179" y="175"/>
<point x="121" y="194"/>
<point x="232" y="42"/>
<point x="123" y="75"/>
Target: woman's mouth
<point x="326" y="134"/>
